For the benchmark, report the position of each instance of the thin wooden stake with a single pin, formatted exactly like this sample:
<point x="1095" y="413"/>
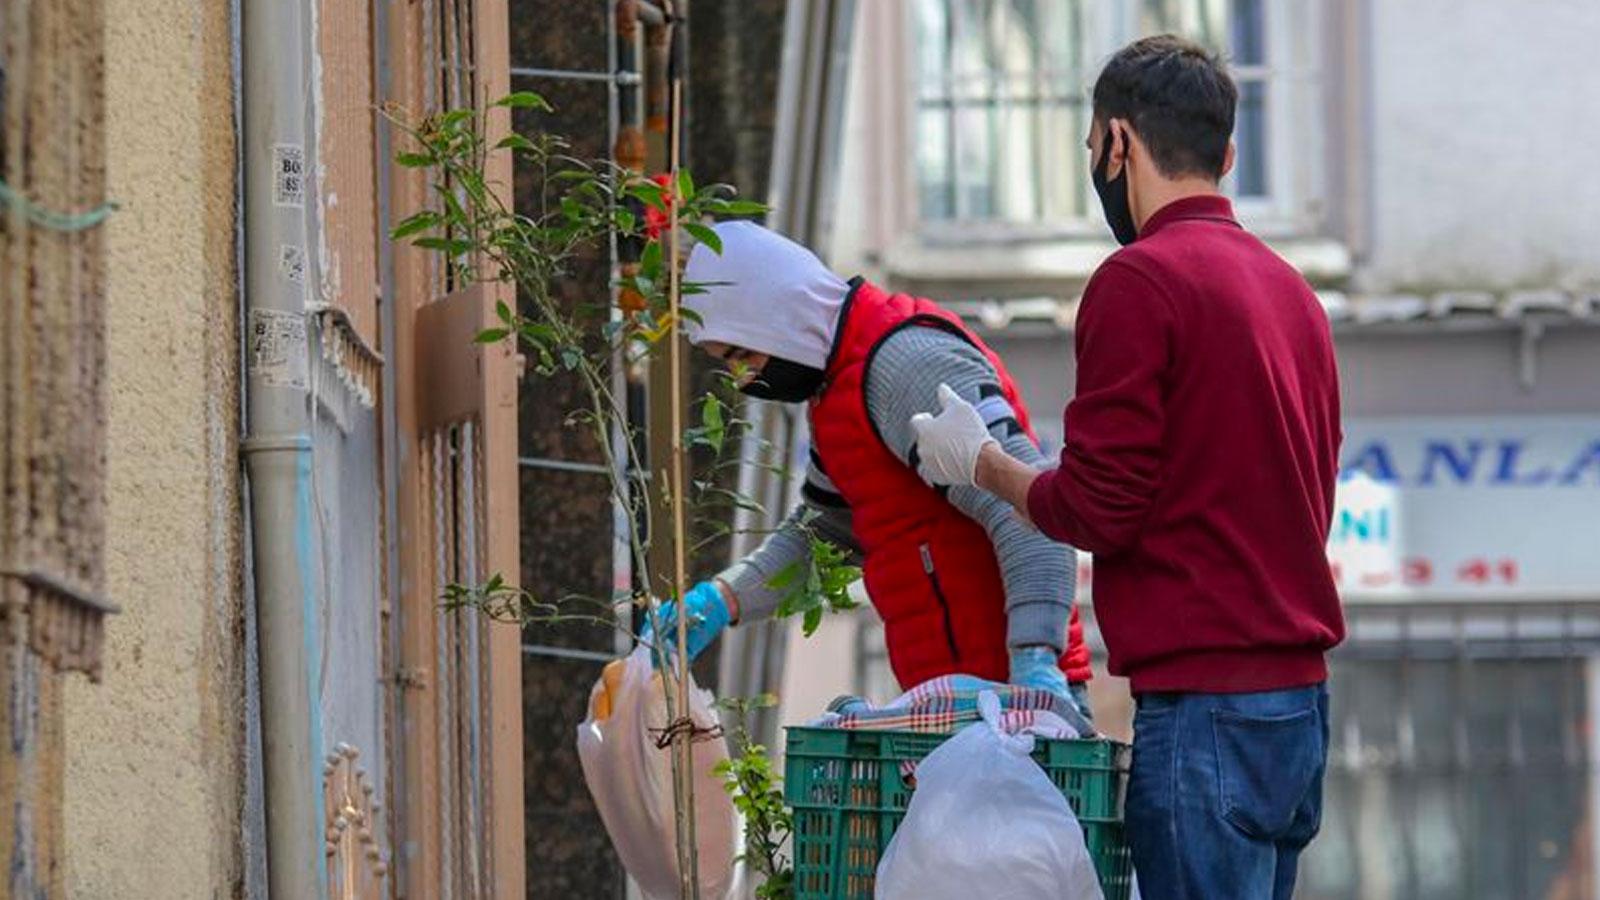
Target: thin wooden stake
<point x="683" y="740"/>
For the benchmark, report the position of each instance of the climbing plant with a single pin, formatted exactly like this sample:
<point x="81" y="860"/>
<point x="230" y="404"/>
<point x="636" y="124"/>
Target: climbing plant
<point x="584" y="205"/>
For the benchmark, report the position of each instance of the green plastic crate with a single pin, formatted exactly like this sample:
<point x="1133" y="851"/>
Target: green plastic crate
<point x="849" y="796"/>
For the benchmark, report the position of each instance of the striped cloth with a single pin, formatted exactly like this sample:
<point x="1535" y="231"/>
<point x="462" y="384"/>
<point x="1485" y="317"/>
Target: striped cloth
<point x="950" y="702"/>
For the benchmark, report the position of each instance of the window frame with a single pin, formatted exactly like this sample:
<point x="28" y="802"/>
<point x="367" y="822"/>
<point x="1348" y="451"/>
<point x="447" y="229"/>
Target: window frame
<point x="957" y="230"/>
<point x="1294" y="73"/>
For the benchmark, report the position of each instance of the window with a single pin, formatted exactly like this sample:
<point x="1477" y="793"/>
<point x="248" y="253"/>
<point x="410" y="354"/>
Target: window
<point x="1235" y="29"/>
<point x="1462" y="764"/>
<point x="1002" y="104"/>
<point x="1001" y="112"/>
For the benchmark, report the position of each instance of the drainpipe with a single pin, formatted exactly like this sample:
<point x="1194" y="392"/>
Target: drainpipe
<point x="279" y="179"/>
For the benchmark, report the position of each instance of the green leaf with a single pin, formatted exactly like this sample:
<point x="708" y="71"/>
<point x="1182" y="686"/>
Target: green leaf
<point x="472" y="182"/>
<point x="650" y="260"/>
<point x="570" y="358"/>
<point x="415" y="160"/>
<point x="453" y="247"/>
<point x="705" y="235"/>
<point x="514" y="141"/>
<point x="688" y="313"/>
<point x="737" y="207"/>
<point x="711" y="418"/>
<point x="813" y="619"/>
<point x="524" y="100"/>
<point x="452" y="204"/>
<point x="454" y="119"/>
<point x="649" y="193"/>
<point x="420" y="222"/>
<point x="537" y="332"/>
<point x="785" y="576"/>
<point x="624" y="220"/>
<point x="502" y="310"/>
<point x="685" y="185"/>
<point x="491" y="335"/>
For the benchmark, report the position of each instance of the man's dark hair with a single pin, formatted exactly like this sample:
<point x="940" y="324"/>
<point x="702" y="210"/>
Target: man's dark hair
<point x="1178" y="96"/>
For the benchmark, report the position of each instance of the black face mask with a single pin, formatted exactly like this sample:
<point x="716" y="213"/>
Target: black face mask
<point x="784" y="381"/>
<point x="1114" y="194"/>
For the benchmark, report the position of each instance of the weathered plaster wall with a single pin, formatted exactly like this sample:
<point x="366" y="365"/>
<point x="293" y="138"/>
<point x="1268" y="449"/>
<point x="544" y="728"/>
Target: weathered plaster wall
<point x="154" y="778"/>
<point x="1481" y="113"/>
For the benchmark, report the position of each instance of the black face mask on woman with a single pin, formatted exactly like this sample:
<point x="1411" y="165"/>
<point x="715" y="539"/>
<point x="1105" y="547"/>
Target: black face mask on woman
<point x="784" y="381"/>
<point x="1114" y="193"/>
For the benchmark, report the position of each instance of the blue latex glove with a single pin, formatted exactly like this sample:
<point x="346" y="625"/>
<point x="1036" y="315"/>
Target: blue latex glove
<point x="1039" y="668"/>
<point x="708" y="615"/>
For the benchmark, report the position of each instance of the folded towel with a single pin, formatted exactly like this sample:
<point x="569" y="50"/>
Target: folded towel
<point x="950" y="702"/>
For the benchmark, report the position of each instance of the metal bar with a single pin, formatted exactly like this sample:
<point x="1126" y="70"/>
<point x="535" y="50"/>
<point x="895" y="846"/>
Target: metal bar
<point x="622" y="563"/>
<point x="649" y="13"/>
<point x="1570" y="712"/>
<point x="1406" y="745"/>
<point x="1039" y="99"/>
<point x="567" y="653"/>
<point x="1517" y="763"/>
<point x="624" y="78"/>
<point x="1462" y="748"/>
<point x="1442" y="651"/>
<point x="561" y="465"/>
<point x="952" y="135"/>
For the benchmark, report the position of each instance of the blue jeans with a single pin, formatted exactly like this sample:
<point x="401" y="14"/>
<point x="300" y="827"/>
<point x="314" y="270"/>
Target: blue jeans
<point x="1226" y="790"/>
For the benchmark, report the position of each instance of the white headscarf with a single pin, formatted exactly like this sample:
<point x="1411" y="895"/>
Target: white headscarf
<point x="776" y="297"/>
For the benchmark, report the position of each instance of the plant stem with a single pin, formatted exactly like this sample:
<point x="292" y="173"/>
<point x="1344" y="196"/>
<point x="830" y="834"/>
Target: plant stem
<point x="689" y="862"/>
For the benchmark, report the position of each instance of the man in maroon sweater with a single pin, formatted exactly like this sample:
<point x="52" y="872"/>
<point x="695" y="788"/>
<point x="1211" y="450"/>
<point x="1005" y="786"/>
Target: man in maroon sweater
<point x="1199" y="466"/>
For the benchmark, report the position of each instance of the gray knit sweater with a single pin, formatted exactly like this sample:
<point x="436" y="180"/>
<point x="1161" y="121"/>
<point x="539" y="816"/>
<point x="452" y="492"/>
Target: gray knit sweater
<point x="1040" y="575"/>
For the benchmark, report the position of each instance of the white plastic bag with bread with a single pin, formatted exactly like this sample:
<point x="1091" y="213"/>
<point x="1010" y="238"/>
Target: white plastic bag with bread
<point x="630" y="779"/>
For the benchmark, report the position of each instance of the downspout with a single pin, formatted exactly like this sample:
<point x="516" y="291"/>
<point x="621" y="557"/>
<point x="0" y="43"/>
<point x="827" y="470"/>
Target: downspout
<point x="279" y="177"/>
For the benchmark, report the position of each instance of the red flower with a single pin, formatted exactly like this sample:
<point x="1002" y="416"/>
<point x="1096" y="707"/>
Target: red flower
<point x="656" y="220"/>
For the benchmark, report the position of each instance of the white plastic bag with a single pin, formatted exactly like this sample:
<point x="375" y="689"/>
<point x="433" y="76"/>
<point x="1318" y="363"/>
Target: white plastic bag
<point x="630" y="779"/>
<point x="985" y="821"/>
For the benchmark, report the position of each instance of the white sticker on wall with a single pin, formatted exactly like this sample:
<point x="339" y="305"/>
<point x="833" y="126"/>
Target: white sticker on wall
<point x="288" y="175"/>
<point x="278" y="355"/>
<point x="292" y="263"/>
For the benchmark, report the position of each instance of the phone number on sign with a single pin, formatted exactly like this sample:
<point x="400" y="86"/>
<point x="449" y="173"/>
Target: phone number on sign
<point x="1419" y="571"/>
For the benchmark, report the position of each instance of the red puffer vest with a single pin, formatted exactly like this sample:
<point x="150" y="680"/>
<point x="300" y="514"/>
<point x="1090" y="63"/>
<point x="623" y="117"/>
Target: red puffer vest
<point x="930" y="571"/>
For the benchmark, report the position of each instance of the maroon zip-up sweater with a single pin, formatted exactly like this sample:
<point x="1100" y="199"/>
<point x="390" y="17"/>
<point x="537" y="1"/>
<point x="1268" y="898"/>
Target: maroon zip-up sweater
<point x="1200" y="457"/>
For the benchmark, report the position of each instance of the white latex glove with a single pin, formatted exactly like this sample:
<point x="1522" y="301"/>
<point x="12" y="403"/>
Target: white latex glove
<point x="948" y="444"/>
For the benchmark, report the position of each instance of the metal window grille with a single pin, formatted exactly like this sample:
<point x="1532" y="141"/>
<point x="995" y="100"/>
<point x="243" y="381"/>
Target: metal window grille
<point x="458" y="823"/>
<point x="1002" y="100"/>
<point x="1001" y="111"/>
<point x="1462" y="761"/>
